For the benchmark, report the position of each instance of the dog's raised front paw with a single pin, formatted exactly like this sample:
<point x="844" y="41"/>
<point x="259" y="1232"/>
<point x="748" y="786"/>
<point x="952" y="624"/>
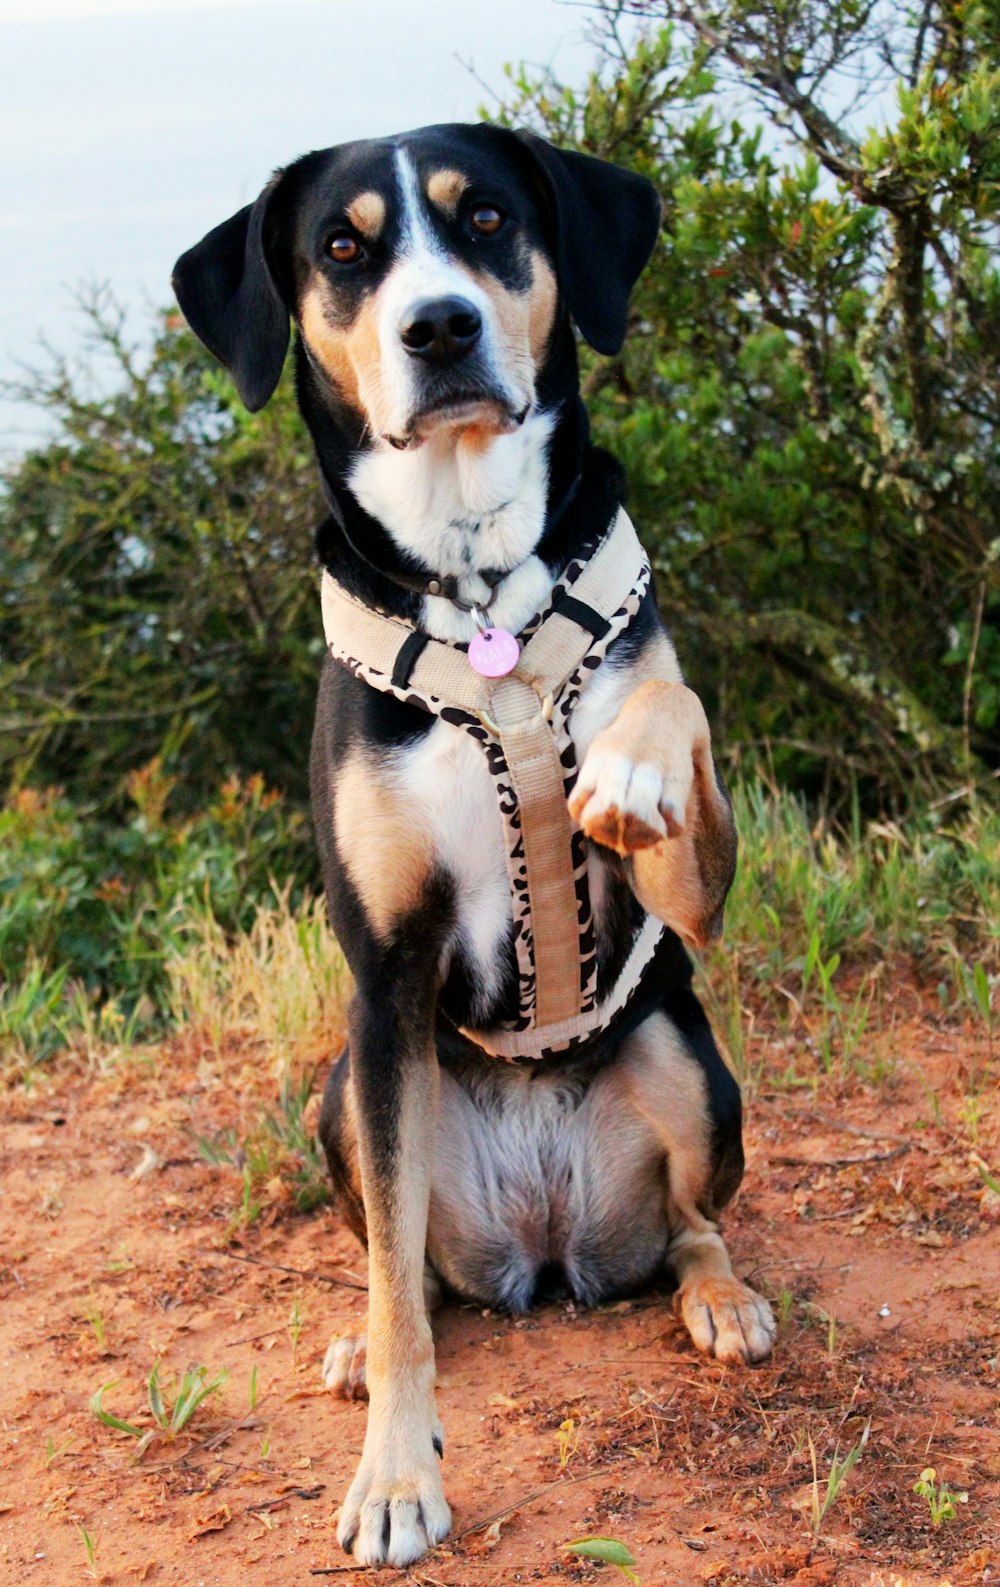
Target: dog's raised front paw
<point x="344" y="1367"/>
<point x="726" y="1319"/>
<point x="395" y="1509"/>
<point x="629" y="804"/>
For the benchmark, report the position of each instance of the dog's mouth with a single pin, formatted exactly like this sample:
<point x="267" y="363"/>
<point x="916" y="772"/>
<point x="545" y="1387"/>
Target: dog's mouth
<point x="490" y="412"/>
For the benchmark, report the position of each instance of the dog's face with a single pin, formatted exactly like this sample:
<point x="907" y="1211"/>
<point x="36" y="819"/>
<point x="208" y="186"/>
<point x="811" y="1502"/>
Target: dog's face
<point x="427" y="274"/>
<point x="423" y="283"/>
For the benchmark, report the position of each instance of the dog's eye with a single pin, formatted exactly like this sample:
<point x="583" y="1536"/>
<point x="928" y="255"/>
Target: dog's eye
<point x="344" y="248"/>
<point x="486" y="219"/>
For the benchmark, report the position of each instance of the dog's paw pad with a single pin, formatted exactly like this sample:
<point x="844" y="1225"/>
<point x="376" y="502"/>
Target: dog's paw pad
<point x="344" y="1367"/>
<point x="727" y="1319"/>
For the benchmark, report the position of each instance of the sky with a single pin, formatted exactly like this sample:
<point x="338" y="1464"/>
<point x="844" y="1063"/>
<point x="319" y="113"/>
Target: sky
<point x="130" y="127"/>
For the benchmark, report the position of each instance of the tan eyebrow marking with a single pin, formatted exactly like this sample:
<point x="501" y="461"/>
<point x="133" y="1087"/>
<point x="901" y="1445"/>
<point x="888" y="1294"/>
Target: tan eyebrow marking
<point x="445" y="188"/>
<point x="366" y="213"/>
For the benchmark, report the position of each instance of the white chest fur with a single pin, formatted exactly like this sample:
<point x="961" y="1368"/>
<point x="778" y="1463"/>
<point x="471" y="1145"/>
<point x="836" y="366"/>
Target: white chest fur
<point x="461" y="507"/>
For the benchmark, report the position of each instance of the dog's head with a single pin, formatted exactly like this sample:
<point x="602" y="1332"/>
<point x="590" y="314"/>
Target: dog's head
<point x="427" y="274"/>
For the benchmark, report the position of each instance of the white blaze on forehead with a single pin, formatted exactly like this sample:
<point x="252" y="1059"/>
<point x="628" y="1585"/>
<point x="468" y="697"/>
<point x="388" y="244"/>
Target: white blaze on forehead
<point x="417" y="233"/>
<point x="458" y="502"/>
<point x="424" y="270"/>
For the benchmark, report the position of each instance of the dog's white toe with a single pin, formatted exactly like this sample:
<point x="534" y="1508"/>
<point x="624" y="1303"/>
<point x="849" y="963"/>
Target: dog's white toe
<point x="727" y="1319"/>
<point x="391" y="1519"/>
<point x="629" y="805"/>
<point x="344" y="1367"/>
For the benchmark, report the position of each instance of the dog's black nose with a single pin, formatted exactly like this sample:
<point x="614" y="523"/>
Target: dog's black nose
<point x="441" y="330"/>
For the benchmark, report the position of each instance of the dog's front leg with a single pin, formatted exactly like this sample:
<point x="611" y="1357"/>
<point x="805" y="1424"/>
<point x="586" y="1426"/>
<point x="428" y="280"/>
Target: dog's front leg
<point x="649" y="789"/>
<point x="395" y="1509"/>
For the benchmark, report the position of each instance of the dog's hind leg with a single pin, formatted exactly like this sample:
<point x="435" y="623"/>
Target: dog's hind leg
<point x="675" y="1078"/>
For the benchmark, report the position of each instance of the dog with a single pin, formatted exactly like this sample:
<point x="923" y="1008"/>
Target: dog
<point x="434" y="280"/>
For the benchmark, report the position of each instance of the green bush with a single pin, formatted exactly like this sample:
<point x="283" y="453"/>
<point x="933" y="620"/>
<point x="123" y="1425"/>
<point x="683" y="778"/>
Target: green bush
<point x="94" y="907"/>
<point x="808" y="399"/>
<point x="807" y="404"/>
<point x="158" y="592"/>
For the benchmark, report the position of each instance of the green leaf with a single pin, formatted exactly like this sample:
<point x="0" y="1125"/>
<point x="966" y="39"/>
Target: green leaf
<point x="156" y="1404"/>
<point x="606" y="1549"/>
<point x="981" y="987"/>
<point x="106" y="1417"/>
<point x="193" y="1391"/>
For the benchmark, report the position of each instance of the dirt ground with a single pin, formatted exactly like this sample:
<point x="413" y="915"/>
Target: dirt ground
<point x="863" y="1214"/>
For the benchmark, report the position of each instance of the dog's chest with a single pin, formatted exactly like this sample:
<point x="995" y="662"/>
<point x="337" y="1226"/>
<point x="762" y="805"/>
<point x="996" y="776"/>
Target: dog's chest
<point x="456" y="783"/>
<point x="471" y="515"/>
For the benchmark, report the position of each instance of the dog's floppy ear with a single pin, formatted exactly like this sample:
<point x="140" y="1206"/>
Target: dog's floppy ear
<point x="606" y="220"/>
<point x="231" y="301"/>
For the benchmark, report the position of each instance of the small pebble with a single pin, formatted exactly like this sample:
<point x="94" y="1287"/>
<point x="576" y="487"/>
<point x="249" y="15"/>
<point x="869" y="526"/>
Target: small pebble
<point x="883" y="1311"/>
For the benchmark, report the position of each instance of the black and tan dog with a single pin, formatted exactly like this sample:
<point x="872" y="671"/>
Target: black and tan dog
<point x="434" y="280"/>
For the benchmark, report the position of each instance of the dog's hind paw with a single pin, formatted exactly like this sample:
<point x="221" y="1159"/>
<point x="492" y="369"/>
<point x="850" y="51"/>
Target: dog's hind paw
<point x="344" y="1367"/>
<point x="726" y="1319"/>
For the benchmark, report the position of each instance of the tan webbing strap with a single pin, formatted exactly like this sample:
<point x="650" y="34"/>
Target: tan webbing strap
<point x="356" y="631"/>
<point x="560" y="644"/>
<point x="518" y="707"/>
<point x="543" y="1038"/>
<point x="529" y="748"/>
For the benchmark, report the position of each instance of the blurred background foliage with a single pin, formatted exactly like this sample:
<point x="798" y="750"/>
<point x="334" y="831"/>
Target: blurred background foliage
<point x="806" y="404"/>
<point x="808" y="401"/>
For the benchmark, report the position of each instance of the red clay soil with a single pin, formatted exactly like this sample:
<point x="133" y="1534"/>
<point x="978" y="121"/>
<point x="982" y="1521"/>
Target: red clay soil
<point x="864" y="1215"/>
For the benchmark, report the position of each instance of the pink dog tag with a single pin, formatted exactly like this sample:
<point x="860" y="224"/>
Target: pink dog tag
<point x="493" y="653"/>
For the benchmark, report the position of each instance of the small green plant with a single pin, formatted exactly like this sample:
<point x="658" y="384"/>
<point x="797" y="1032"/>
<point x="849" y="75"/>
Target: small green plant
<point x="971" y="1109"/>
<point x="828" y="1321"/>
<point x="249" y="1207"/>
<point x="941" y="1501"/>
<point x="976" y="989"/>
<point x="783" y="1307"/>
<point x="281" y="1146"/>
<point x="606" y="1549"/>
<point x="90" y="1546"/>
<point x="171" y="1412"/>
<point x="988" y="1179"/>
<point x="54" y="1450"/>
<point x="253" y="1389"/>
<point x="265" y="1443"/>
<point x="822" y="1502"/>
<point x="295" y="1320"/>
<point x="95" y="1318"/>
<point x="31" y="1025"/>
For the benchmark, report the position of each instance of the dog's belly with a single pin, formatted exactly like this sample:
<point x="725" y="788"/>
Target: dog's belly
<point x="540" y="1183"/>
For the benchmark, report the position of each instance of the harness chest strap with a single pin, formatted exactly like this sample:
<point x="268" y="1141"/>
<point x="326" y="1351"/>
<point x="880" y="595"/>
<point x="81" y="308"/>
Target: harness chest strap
<point x="516" y="709"/>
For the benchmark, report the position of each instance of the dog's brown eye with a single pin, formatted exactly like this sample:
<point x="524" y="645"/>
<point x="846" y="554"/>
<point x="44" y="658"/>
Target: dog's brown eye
<point x="486" y="218"/>
<point x="344" y="248"/>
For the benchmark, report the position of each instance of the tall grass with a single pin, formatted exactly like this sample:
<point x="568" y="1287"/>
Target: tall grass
<point x="818" y="924"/>
<point x="282" y="983"/>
